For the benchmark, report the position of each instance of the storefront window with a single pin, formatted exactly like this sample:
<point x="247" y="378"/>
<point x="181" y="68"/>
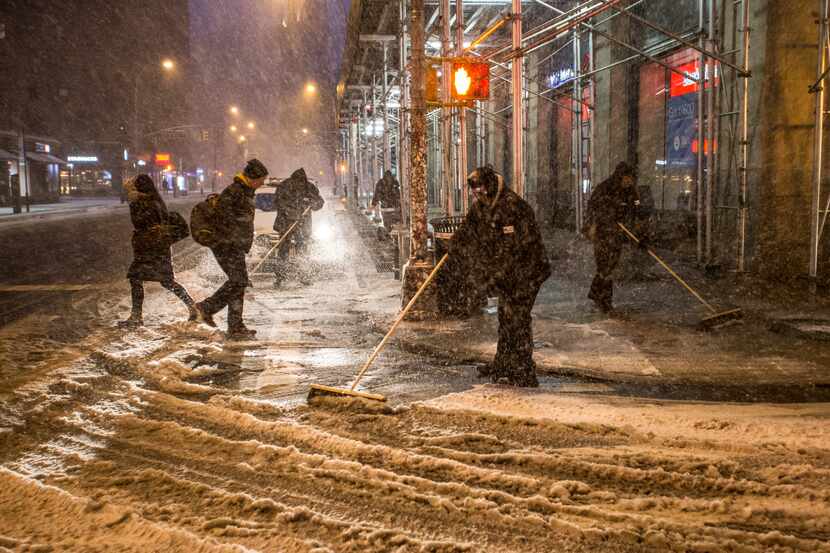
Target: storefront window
<point x="667" y="145"/>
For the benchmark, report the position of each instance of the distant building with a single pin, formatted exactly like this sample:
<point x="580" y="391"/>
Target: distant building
<point x="80" y="75"/>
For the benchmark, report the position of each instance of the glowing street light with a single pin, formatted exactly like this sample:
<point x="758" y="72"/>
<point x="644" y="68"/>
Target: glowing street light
<point x="242" y="138"/>
<point x="305" y="130"/>
<point x="233" y="128"/>
<point x="251" y="125"/>
<point x="310" y="88"/>
<point x="167" y="64"/>
<point x="234" y="110"/>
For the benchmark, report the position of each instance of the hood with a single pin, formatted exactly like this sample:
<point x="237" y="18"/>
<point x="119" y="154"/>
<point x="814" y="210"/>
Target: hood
<point x="492" y="182"/>
<point x="299" y="174"/>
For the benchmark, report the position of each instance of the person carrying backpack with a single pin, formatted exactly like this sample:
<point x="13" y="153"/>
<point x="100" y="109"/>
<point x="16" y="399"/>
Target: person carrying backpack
<point x="151" y="241"/>
<point x="232" y="237"/>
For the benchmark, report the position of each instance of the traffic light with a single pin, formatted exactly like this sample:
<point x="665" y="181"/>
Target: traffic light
<point x="470" y="80"/>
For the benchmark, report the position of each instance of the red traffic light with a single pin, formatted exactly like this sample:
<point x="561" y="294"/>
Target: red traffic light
<point x="470" y="80"/>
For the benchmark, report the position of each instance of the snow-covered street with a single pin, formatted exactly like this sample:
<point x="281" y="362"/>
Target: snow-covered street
<point x="171" y="439"/>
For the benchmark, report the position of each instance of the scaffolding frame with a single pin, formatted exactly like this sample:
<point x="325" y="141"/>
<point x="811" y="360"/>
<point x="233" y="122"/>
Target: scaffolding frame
<point x="818" y="216"/>
<point x="713" y="184"/>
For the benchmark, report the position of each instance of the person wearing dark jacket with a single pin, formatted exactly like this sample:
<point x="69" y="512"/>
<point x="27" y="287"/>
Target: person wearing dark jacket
<point x="614" y="200"/>
<point x="500" y="247"/>
<point x="388" y="195"/>
<point x="291" y="198"/>
<point x="151" y="248"/>
<point x="236" y="229"/>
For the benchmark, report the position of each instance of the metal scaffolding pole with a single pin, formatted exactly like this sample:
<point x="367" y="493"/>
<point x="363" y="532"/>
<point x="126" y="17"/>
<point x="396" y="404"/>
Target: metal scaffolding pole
<point x="374" y="131"/>
<point x="517" y="74"/>
<point x="356" y="167"/>
<point x="744" y="144"/>
<point x="818" y="140"/>
<point x="387" y="152"/>
<point x="711" y="121"/>
<point x="403" y="124"/>
<point x="447" y="171"/>
<point x="462" y="113"/>
<point x="701" y="122"/>
<point x="577" y="136"/>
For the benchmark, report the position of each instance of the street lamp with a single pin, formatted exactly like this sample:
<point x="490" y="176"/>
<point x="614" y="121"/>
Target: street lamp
<point x="167" y="65"/>
<point x="242" y="138"/>
<point x="233" y="128"/>
<point x="251" y="125"/>
<point x="310" y="88"/>
<point x="305" y="130"/>
<point x="234" y="110"/>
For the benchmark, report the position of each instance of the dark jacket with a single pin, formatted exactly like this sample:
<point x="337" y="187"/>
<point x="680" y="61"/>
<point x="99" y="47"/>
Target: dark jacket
<point x="501" y="246"/>
<point x="151" y="247"/>
<point x="236" y="216"/>
<point x="387" y="192"/>
<point x="292" y="196"/>
<point x="611" y="203"/>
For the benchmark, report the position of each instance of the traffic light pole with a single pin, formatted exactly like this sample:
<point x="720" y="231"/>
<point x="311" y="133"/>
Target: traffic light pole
<point x="420" y="264"/>
<point x="462" y="112"/>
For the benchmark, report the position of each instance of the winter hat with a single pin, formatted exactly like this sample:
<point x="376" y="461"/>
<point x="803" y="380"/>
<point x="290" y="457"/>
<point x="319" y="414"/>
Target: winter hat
<point x="144" y="184"/>
<point x="299" y="174"/>
<point x="623" y="169"/>
<point x="255" y="169"/>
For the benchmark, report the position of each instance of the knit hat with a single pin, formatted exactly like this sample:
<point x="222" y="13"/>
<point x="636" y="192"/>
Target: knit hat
<point x="299" y="174"/>
<point x="255" y="169"/>
<point x="144" y="184"/>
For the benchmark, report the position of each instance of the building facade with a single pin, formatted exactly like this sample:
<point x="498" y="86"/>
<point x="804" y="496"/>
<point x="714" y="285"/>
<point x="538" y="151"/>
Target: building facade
<point x="708" y="100"/>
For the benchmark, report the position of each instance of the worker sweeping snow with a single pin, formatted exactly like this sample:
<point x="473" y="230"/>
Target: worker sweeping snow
<point x="500" y="248"/>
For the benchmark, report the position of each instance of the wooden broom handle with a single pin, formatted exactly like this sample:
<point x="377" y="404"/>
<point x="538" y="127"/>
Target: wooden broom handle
<point x="281" y="240"/>
<point x="669" y="269"/>
<point x="398" y="320"/>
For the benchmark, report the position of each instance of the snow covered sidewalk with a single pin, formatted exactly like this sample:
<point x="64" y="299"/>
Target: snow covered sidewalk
<point x="652" y="338"/>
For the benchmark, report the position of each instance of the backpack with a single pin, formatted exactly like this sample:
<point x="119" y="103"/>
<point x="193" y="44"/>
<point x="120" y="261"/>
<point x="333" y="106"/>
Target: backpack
<point x="203" y="219"/>
<point x="176" y="227"/>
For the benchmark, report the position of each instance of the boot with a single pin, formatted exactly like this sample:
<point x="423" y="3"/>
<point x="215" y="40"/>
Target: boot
<point x="240" y="332"/>
<point x="133" y="321"/>
<point x="523" y="379"/>
<point x="203" y="316"/>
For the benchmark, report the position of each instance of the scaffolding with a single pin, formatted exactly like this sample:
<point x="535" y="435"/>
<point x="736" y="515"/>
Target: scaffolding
<point x="720" y="39"/>
<point x="818" y="216"/>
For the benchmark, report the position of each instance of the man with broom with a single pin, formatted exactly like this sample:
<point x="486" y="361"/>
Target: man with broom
<point x="499" y="247"/>
<point x="615" y="200"/>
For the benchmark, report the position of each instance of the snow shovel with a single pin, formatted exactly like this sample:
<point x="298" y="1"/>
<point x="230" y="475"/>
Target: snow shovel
<point x="280" y="241"/>
<point x="717" y="318"/>
<point x="321" y="390"/>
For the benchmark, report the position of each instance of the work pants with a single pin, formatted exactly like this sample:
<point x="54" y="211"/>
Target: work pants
<point x="607" y="252"/>
<point x="232" y="292"/>
<point x="514" y="352"/>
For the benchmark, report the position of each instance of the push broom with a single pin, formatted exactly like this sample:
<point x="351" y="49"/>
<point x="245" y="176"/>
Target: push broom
<point x="716" y="318"/>
<point x="322" y="390"/>
<point x="280" y="241"/>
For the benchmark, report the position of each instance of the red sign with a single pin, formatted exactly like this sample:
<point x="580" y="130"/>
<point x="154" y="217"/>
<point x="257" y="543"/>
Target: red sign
<point x="163" y="159"/>
<point x="684" y="84"/>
